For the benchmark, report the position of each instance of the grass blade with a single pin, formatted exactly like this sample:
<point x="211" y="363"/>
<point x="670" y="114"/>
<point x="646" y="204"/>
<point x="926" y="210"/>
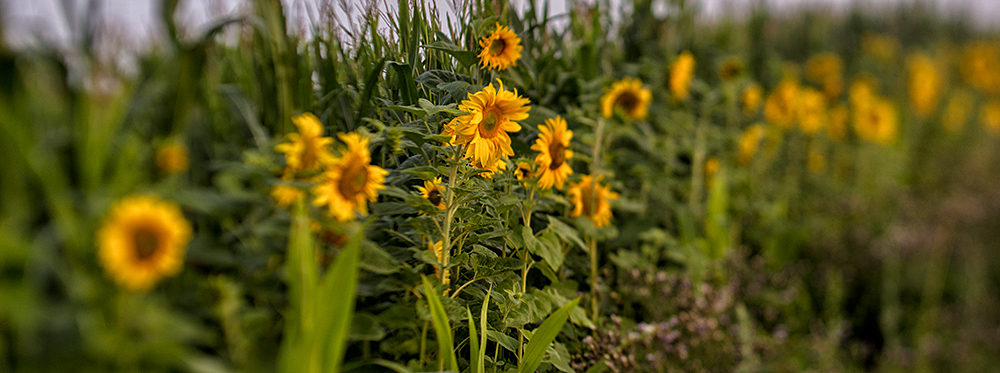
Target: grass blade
<point x="474" y="364"/>
<point x="481" y="357"/>
<point x="337" y="292"/>
<point x="543" y="336"/>
<point x="441" y="326"/>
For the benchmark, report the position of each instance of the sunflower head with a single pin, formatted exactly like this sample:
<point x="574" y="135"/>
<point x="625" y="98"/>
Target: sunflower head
<point x="142" y="240"/>
<point x="307" y="149"/>
<point x="925" y="84"/>
<point x="553" y="156"/>
<point x="286" y="195"/>
<point x="350" y="180"/>
<point x="592" y="200"/>
<point x="433" y="192"/>
<point x="989" y="114"/>
<point x="681" y="73"/>
<point x="980" y="66"/>
<point x="812" y="111"/>
<point x="956" y="111"/>
<point x="492" y="113"/>
<point x="629" y="96"/>
<point x="753" y="95"/>
<point x="524" y="171"/>
<point x="876" y="122"/>
<point x="749" y="142"/>
<point x="501" y="49"/>
<point x="780" y="107"/>
<point x="498" y="165"/>
<point x="172" y="158"/>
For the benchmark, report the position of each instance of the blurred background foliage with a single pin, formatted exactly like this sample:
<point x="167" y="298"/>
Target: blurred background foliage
<point x="815" y="251"/>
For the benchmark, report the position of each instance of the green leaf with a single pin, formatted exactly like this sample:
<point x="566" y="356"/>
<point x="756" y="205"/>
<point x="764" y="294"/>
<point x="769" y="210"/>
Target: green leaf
<point x="503" y="340"/>
<point x="543" y="336"/>
<point x="442" y="328"/>
<point x="336" y="302"/>
<point x="475" y="365"/>
<point x="464" y="57"/>
<point x="374" y="259"/>
<point x="546" y="248"/>
<point x="491" y="266"/>
<point x="565" y="232"/>
<point x="481" y="358"/>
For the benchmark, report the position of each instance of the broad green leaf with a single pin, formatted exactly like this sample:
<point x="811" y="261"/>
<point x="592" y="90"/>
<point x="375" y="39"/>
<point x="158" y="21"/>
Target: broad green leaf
<point x="466" y="58"/>
<point x="566" y="232"/>
<point x="543" y="336"/>
<point x="442" y="327"/>
<point x="336" y="302"/>
<point x="475" y="365"/>
<point x="491" y="266"/>
<point x="374" y="259"/>
<point x="552" y="255"/>
<point x="503" y="340"/>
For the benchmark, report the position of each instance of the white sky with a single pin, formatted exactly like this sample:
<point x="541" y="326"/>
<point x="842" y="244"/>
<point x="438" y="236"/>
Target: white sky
<point x="26" y="22"/>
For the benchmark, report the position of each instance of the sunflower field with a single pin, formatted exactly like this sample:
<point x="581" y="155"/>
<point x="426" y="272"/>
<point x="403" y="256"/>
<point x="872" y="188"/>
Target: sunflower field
<point x="616" y="188"/>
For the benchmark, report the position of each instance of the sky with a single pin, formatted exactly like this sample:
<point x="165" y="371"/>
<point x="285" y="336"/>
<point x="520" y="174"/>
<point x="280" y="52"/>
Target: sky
<point x="27" y="23"/>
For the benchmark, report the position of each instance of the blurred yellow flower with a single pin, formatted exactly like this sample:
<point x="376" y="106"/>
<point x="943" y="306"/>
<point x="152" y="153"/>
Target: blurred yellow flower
<point x="753" y="95"/>
<point x="981" y="66"/>
<point x="491" y="168"/>
<point x="524" y="171"/>
<point x="812" y="111"/>
<point x="780" y="107"/>
<point x="552" y="146"/>
<point x="837" y="130"/>
<point x="957" y="111"/>
<point x="628" y="95"/>
<point x="501" y="48"/>
<point x="350" y="180"/>
<point x="827" y="70"/>
<point x="591" y="199"/>
<point x="882" y="47"/>
<point x="711" y="168"/>
<point x="492" y="113"/>
<point x="862" y="92"/>
<point x="989" y="114"/>
<point x="731" y="68"/>
<point x="432" y="191"/>
<point x="681" y="73"/>
<point x="172" y="158"/>
<point x="438" y="249"/>
<point x="925" y="84"/>
<point x="749" y="143"/>
<point x="307" y="149"/>
<point x="286" y="195"/>
<point x="142" y="240"/>
<point x="876" y="121"/>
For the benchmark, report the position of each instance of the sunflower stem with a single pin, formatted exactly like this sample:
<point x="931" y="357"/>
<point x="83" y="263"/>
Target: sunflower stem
<point x="449" y="216"/>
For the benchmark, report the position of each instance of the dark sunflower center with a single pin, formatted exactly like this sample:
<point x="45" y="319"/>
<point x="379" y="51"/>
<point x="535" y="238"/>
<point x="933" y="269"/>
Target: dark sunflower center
<point x="497" y="46"/>
<point x="146" y="242"/>
<point x="352" y="181"/>
<point x="627" y="101"/>
<point x="434" y="196"/>
<point x="491" y="120"/>
<point x="558" y="153"/>
<point x="523" y="172"/>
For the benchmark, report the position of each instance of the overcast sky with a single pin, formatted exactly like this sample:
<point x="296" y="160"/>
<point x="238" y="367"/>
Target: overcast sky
<point x="26" y="22"/>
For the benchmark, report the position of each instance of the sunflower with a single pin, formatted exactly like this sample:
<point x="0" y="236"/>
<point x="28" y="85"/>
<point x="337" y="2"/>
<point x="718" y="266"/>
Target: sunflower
<point x="172" y="158"/>
<point x="989" y="114"/>
<point x="925" y="84"/>
<point x="553" y="153"/>
<point x="501" y="49"/>
<point x="492" y="113"/>
<point x="286" y="195"/>
<point x="711" y="168"/>
<point x="628" y="95"/>
<point x="590" y="199"/>
<point x="981" y="66"/>
<point x="780" y="107"/>
<point x="752" y="97"/>
<point x="837" y="129"/>
<point x="827" y="70"/>
<point x="349" y="180"/>
<point x="432" y="192"/>
<point x="492" y="167"/>
<point x="307" y="149"/>
<point x="956" y="112"/>
<point x="438" y="249"/>
<point x="142" y="240"/>
<point x="524" y="171"/>
<point x="749" y="143"/>
<point x="876" y="122"/>
<point x="681" y="73"/>
<point x="862" y="91"/>
<point x="812" y="111"/>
